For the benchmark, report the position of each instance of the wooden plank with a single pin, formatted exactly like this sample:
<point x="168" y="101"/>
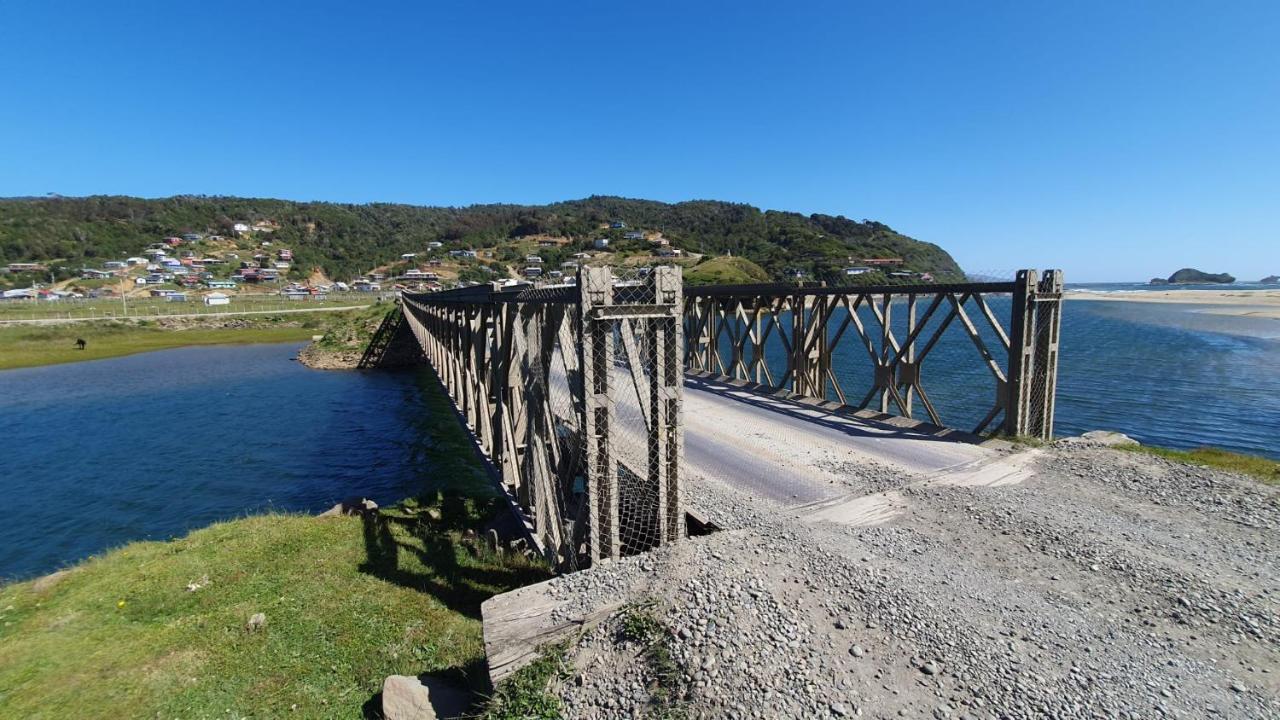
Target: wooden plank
<point x="519" y="623"/>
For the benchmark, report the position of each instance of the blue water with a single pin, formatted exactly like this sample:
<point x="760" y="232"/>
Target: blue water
<point x="149" y="446"/>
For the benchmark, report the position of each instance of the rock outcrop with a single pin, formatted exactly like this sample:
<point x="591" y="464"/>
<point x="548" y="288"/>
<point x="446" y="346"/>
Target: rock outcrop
<point x="1191" y="276"/>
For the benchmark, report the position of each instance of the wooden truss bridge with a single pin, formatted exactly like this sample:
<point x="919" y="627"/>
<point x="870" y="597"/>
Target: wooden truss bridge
<point x="574" y="392"/>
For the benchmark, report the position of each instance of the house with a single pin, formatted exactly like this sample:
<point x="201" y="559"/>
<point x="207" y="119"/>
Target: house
<point x="617" y="225"/>
<point x="217" y="298"/>
<point x="880" y="262"/>
<point x="240" y="228"/>
<point x="569" y="265"/>
<point x="281" y="265"/>
<point x="341" y="287"/>
<point x="634" y="235"/>
<point x="434" y="263"/>
<point x="192" y="237"/>
<point x="26" y="267"/>
<point x="664" y="252"/>
<point x="140" y="281"/>
<point x="417" y="274"/>
<point x="555" y="274"/>
<point x="462" y="253"/>
<point x="173" y="241"/>
<point x="408" y="256"/>
<point x="581" y="255"/>
<point x="296" y="293"/>
<point x="601" y="244"/>
<point x="659" y="241"/>
<point x="366" y="286"/>
<point x="175" y="297"/>
<point x="377" y="276"/>
<point x="135" y="261"/>
<point x="284" y="254"/>
<point x="264" y="226"/>
<point x="114" y="265"/>
<point x="155" y="253"/>
<point x="533" y="260"/>
<point x="434" y="245"/>
<point x="857" y="270"/>
<point x="532" y="271"/>
<point x="91" y="274"/>
<point x="22" y="294"/>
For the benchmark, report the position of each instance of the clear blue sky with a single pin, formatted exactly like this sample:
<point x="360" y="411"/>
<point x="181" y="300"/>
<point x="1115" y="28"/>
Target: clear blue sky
<point x="1117" y="140"/>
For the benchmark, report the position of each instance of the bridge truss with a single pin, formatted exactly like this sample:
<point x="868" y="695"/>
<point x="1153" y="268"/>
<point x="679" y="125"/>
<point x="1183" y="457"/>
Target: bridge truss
<point x="790" y="338"/>
<point x="574" y="394"/>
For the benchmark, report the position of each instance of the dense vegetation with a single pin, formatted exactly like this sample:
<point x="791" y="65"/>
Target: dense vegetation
<point x="346" y="240"/>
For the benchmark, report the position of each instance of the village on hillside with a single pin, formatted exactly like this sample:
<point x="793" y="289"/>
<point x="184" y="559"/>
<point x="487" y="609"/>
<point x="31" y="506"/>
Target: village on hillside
<point x="216" y="269"/>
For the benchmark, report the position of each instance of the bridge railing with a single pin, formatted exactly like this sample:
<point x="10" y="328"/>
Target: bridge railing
<point x="991" y="348"/>
<point x="574" y="393"/>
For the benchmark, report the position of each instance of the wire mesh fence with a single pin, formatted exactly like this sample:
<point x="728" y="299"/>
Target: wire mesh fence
<point x="573" y="392"/>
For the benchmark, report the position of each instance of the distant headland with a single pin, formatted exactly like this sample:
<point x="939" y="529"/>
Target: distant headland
<point x="1191" y="276"/>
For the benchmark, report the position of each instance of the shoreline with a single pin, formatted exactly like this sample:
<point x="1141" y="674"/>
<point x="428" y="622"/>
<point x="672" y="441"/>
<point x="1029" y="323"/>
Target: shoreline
<point x="26" y="346"/>
<point x="1238" y="303"/>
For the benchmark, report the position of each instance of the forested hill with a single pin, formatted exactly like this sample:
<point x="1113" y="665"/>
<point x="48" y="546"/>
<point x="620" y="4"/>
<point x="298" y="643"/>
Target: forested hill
<point x="347" y="240"/>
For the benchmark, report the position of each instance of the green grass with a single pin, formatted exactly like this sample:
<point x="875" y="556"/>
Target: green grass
<point x="347" y="601"/>
<point x="726" y="270"/>
<point x="1259" y="467"/>
<point x="31" y="345"/>
<point x="529" y="693"/>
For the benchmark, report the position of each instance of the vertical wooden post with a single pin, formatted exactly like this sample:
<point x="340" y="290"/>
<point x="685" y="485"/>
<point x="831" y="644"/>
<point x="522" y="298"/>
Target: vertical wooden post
<point x="1022" y="337"/>
<point x="666" y="392"/>
<point x="1044" y="379"/>
<point x="597" y="365"/>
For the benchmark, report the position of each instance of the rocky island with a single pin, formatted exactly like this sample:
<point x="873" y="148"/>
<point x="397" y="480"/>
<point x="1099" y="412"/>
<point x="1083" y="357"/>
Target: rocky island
<point x="1191" y="276"/>
<point x="1270" y="280"/>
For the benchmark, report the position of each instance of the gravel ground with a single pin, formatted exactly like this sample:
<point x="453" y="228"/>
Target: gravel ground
<point x="1108" y="584"/>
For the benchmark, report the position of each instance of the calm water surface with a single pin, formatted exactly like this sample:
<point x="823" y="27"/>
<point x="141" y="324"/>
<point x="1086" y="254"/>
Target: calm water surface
<point x="150" y="446"/>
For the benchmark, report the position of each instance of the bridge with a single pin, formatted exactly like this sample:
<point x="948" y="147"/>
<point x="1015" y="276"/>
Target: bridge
<point x="594" y="401"/>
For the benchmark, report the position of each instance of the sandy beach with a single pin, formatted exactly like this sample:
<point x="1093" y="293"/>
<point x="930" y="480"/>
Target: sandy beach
<point x="1242" y="303"/>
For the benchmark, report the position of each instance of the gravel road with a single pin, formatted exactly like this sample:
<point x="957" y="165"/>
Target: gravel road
<point x="1077" y="582"/>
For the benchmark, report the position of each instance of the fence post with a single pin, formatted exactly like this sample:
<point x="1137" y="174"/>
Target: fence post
<point x="1022" y="338"/>
<point x="596" y="286"/>
<point x="1044" y="383"/>
<point x="666" y="394"/>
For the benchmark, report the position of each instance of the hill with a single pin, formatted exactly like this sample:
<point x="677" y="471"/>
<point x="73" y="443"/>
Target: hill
<point x="344" y="240"/>
<point x="726" y="271"/>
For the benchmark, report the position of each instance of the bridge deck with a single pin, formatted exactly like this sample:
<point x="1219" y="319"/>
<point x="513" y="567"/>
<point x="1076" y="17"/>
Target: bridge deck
<point x="798" y="453"/>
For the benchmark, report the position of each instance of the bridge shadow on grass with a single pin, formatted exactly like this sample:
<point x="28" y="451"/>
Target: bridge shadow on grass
<point x="879" y="426"/>
<point x="424" y="548"/>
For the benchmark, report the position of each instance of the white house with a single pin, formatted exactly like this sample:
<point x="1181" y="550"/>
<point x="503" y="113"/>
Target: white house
<point x="240" y="228"/>
<point x="217" y="299"/>
<point x="601" y="244"/>
<point x="857" y="270"/>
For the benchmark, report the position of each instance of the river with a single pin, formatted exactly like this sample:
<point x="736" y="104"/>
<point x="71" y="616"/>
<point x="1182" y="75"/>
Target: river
<point x="149" y="446"/>
<point x="97" y="454"/>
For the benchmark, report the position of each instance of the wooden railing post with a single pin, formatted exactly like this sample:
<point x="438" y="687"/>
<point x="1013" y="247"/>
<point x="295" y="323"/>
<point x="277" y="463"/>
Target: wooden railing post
<point x="597" y="366"/>
<point x="1022" y="338"/>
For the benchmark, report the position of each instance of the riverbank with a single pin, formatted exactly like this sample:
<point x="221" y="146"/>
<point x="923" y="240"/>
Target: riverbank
<point x="1250" y="303"/>
<point x="35" y="345"/>
<point x="164" y="629"/>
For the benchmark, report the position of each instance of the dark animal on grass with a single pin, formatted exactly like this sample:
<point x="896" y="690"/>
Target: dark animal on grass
<point x="80" y="343"/>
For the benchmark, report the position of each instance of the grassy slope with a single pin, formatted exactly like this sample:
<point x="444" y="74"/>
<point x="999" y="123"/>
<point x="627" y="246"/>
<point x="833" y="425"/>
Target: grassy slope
<point x="1266" y="470"/>
<point x="32" y="345"/>
<point x="347" y="603"/>
<point x="726" y="271"/>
